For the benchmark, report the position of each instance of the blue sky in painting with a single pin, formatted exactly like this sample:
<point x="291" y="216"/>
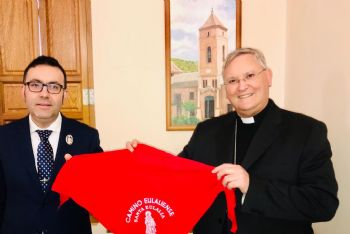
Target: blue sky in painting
<point x="187" y="16"/>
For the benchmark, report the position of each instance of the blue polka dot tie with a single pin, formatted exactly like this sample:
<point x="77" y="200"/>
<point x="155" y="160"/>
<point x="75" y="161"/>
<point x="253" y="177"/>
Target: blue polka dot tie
<point x="45" y="158"/>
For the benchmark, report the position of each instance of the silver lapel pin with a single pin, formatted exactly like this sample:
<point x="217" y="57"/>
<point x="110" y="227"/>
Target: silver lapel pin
<point x="69" y="139"/>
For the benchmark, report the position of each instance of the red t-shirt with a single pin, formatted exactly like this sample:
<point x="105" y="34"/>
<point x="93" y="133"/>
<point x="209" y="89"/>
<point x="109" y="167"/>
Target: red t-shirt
<point x="145" y="191"/>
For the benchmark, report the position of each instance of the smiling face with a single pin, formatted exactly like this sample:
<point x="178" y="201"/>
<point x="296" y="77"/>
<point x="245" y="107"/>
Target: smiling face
<point x="248" y="97"/>
<point x="43" y="106"/>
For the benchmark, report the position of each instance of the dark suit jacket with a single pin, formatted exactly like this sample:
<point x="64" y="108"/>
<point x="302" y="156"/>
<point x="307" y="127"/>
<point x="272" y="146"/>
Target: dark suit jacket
<point x="24" y="209"/>
<point x="292" y="181"/>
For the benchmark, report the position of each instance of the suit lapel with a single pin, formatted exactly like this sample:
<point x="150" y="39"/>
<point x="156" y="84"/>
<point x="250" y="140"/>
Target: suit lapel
<point x="264" y="136"/>
<point x="26" y="151"/>
<point x="61" y="150"/>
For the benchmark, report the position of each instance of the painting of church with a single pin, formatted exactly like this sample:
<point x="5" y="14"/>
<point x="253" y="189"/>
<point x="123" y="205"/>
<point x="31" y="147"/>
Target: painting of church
<point x="200" y="95"/>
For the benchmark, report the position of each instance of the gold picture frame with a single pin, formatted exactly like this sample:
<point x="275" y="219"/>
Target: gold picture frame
<point x="194" y="84"/>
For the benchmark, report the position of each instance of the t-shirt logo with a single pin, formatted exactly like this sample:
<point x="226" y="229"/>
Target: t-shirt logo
<point x="152" y="209"/>
<point x="150" y="223"/>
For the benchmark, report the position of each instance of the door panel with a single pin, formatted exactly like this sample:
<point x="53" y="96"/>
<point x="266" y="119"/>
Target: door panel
<point x="18" y="38"/>
<point x="13" y="101"/>
<point x="72" y="106"/>
<point x="62" y="27"/>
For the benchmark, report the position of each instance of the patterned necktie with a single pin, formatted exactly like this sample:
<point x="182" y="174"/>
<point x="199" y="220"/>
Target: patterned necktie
<point x="45" y="158"/>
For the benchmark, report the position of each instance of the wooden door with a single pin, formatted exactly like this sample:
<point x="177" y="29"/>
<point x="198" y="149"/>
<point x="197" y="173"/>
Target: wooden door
<point x="59" y="28"/>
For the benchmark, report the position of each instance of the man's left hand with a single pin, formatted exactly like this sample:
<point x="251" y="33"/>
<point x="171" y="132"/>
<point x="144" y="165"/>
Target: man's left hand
<point x="233" y="176"/>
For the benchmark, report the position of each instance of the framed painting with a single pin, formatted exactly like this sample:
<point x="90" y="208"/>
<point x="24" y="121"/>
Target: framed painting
<point x="198" y="36"/>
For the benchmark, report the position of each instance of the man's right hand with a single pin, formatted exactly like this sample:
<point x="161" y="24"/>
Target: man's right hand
<point x="131" y="145"/>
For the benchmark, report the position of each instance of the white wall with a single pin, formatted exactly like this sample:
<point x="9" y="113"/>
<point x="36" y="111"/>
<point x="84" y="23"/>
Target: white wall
<point x="318" y="63"/>
<point x="129" y="73"/>
<point x="264" y="27"/>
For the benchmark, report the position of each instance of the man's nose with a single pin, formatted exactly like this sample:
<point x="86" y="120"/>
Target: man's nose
<point x="44" y="91"/>
<point x="242" y="84"/>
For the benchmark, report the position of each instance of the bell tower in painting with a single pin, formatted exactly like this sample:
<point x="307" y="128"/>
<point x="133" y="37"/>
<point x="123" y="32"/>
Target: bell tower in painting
<point x="213" y="44"/>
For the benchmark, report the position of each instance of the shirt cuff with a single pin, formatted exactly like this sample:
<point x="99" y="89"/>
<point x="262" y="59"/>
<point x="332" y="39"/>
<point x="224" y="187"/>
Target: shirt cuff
<point x="243" y="197"/>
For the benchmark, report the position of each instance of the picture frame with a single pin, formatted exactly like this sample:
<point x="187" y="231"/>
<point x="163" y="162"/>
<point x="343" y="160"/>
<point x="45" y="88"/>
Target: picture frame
<point x="198" y="36"/>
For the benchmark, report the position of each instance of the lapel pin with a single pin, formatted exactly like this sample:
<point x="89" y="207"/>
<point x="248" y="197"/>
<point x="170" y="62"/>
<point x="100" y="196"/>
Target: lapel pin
<point x="69" y="139"/>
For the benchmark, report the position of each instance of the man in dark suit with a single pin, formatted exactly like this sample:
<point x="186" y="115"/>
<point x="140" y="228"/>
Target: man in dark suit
<point x="29" y="164"/>
<point x="278" y="162"/>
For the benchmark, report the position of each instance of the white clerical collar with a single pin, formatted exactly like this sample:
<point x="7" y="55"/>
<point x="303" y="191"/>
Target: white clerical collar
<point x="248" y="120"/>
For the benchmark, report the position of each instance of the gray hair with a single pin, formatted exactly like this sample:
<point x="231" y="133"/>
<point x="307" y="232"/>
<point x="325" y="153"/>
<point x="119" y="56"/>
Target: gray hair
<point x="260" y="58"/>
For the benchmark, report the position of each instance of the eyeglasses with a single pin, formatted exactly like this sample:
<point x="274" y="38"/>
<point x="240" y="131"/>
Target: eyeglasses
<point x="37" y="87"/>
<point x="249" y="77"/>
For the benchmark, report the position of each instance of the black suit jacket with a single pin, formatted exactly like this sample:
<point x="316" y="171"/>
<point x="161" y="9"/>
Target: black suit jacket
<point x="292" y="181"/>
<point x="23" y="207"/>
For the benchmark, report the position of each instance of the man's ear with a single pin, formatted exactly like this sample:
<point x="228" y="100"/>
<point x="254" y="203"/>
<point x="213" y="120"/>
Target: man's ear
<point x="269" y="76"/>
<point x="24" y="92"/>
<point x="64" y="96"/>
